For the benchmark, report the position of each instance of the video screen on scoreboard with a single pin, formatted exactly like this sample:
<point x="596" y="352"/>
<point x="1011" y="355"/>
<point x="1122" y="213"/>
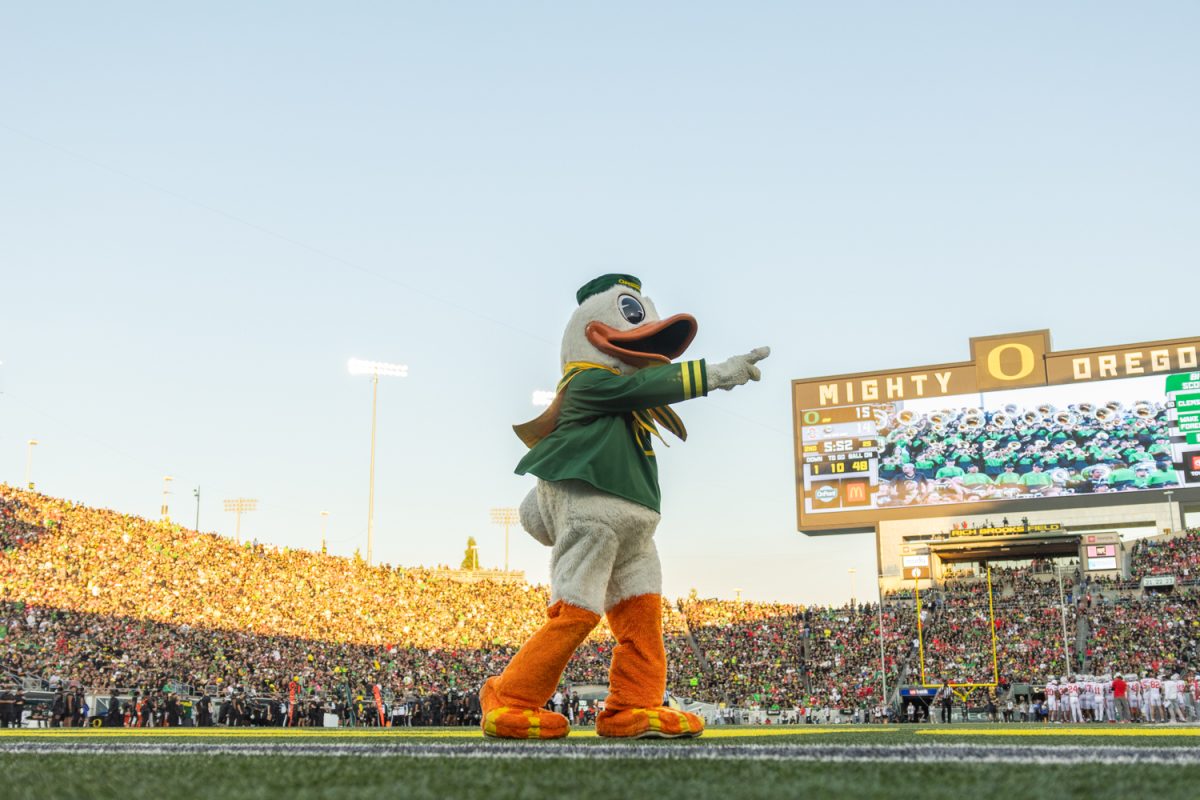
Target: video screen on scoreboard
<point x="1022" y="445"/>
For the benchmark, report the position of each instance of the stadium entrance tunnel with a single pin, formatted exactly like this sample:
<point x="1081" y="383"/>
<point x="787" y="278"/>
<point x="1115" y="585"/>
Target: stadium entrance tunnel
<point x="921" y="699"/>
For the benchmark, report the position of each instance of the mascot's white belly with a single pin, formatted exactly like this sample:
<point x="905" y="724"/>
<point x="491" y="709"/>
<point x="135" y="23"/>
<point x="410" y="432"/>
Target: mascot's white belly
<point x="602" y="546"/>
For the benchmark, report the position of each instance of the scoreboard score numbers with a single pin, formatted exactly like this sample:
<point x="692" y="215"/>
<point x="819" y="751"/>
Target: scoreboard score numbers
<point x="839" y="455"/>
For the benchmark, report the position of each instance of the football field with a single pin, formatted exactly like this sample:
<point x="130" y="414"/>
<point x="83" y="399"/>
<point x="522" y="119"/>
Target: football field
<point x="760" y="762"/>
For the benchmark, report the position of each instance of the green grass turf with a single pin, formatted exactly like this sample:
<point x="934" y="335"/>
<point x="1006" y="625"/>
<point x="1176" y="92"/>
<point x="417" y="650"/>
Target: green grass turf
<point x="299" y="778"/>
<point x="164" y="777"/>
<point x="1021" y="734"/>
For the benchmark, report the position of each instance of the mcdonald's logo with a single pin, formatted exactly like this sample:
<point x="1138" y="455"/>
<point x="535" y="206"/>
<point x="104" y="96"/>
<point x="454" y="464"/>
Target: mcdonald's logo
<point x="856" y="493"/>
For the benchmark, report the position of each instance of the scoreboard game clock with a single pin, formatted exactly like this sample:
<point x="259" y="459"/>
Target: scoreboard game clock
<point x="839" y="456"/>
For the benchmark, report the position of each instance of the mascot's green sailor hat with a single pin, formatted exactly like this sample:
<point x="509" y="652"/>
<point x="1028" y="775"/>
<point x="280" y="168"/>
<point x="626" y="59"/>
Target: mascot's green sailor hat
<point x="604" y="283"/>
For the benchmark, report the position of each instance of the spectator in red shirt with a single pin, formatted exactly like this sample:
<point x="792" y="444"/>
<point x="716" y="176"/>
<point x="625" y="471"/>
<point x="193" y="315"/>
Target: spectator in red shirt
<point x="1120" y="698"/>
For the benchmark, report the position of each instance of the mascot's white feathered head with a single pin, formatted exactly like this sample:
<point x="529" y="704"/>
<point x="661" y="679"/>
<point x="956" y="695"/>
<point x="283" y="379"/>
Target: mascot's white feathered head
<point x="615" y="325"/>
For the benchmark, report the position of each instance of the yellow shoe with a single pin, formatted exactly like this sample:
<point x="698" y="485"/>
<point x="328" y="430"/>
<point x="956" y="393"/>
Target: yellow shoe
<point x="511" y="722"/>
<point x="649" y="723"/>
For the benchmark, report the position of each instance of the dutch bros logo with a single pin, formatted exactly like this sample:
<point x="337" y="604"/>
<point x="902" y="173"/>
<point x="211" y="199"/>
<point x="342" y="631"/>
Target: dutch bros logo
<point x="827" y="493"/>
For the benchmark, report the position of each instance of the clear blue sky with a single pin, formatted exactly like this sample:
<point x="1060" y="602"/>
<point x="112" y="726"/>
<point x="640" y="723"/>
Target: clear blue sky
<point x="206" y="209"/>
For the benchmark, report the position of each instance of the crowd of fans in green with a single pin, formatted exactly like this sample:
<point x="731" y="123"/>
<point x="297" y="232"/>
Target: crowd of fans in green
<point x="108" y="602"/>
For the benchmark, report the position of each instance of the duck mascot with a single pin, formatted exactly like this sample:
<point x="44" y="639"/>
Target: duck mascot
<point x="596" y="504"/>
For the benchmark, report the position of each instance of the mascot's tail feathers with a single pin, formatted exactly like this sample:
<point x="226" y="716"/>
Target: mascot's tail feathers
<point x="532" y="520"/>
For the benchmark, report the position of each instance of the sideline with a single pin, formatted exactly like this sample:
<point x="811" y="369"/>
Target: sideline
<point x="719" y="732"/>
<point x="633" y="751"/>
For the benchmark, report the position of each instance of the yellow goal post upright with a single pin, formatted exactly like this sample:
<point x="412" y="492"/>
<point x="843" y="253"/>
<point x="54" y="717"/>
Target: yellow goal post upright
<point x="991" y="626"/>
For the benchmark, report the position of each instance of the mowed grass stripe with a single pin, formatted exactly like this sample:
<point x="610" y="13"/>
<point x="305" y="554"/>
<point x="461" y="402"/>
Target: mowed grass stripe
<point x="728" y="732"/>
<point x="1062" y="731"/>
<point x="223" y="777"/>
<point x="632" y="751"/>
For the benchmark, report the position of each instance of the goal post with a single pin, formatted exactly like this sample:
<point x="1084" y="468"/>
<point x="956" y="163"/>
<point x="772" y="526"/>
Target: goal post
<point x="991" y="628"/>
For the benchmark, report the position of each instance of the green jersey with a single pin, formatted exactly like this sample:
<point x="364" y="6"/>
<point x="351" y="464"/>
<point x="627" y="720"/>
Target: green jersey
<point x="597" y="437"/>
<point x="976" y="479"/>
<point x="1122" y="475"/>
<point x="1036" y="479"/>
<point x="949" y="471"/>
<point x="1163" y="477"/>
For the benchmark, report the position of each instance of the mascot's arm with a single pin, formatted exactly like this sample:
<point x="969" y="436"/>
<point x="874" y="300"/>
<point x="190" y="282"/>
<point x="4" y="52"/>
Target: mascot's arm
<point x="737" y="370"/>
<point x="599" y="392"/>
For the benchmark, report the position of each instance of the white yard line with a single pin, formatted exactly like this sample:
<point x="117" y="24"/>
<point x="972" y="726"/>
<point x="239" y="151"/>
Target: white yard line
<point x="907" y="753"/>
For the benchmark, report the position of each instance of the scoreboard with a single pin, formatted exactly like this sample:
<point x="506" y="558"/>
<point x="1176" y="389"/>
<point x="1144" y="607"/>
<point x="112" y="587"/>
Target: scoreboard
<point x="839" y="456"/>
<point x="1016" y="426"/>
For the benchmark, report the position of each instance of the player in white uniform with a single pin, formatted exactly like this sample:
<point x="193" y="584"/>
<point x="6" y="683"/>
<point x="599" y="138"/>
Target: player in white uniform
<point x="1110" y="706"/>
<point x="1151" y="698"/>
<point x="1073" y="699"/>
<point x="1192" y="698"/>
<point x="1134" y="690"/>
<point x="1085" y="697"/>
<point x="1193" y="687"/>
<point x="1052" y="701"/>
<point x="1172" y="689"/>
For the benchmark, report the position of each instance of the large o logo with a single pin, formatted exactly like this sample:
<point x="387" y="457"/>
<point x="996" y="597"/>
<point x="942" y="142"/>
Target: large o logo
<point x="1027" y="362"/>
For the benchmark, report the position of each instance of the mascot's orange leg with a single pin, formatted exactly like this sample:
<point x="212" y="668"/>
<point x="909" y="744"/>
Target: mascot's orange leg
<point x="637" y="679"/>
<point x="512" y="702"/>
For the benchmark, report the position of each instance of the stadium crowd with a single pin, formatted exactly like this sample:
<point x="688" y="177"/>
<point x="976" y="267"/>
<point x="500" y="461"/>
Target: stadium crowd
<point x="259" y="635"/>
<point x="1029" y="628"/>
<point x="1178" y="556"/>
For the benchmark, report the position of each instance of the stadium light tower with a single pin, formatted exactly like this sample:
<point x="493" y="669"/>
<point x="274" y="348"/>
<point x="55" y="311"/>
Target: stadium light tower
<point x="505" y="517"/>
<point x="852" y="570"/>
<point x="374" y="368"/>
<point x="1170" y="509"/>
<point x="238" y="506"/>
<point x="166" y="511"/>
<point x="324" y="528"/>
<point x="738" y="592"/>
<point x="32" y="443"/>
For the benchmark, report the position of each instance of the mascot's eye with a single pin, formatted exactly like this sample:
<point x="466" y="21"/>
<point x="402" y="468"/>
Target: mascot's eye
<point x="631" y="309"/>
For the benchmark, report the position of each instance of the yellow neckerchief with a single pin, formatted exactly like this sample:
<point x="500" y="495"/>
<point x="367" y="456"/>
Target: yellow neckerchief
<point x="643" y="419"/>
<point x="539" y="428"/>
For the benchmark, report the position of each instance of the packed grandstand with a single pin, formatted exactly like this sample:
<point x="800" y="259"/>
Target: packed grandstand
<point x="174" y="623"/>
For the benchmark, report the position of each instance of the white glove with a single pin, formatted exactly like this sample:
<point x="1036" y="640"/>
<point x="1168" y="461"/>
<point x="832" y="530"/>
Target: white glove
<point x="737" y="370"/>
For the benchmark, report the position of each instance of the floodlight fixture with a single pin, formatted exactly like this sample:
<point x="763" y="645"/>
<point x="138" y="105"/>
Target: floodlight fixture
<point x="238" y="506"/>
<point x="32" y="443"/>
<point x="358" y="366"/>
<point x="505" y="517"/>
<point x="166" y="513"/>
<point x="374" y="369"/>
